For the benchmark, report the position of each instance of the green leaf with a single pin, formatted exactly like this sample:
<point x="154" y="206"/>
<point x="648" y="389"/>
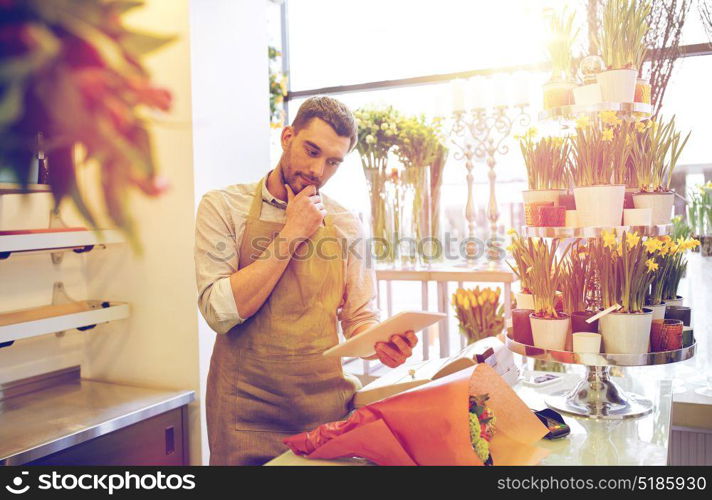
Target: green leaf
<point x="122" y="6"/>
<point x="11" y="104"/>
<point x="139" y="44"/>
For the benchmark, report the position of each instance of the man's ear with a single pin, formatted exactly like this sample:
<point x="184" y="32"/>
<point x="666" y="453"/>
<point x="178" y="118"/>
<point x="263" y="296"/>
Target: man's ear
<point x="288" y="134"/>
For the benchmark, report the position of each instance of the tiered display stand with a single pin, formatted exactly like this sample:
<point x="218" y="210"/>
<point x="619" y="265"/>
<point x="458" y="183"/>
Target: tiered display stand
<point x="596" y="395"/>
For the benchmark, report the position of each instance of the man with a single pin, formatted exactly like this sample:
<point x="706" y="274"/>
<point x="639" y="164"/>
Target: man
<point x="275" y="275"/>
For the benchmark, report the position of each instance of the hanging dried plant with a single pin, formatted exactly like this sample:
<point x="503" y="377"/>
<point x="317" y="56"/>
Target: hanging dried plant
<point x="666" y="20"/>
<point x="705" y="8"/>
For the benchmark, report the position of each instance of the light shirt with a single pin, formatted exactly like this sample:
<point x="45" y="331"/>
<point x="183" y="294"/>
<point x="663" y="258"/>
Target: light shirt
<point x="220" y="224"/>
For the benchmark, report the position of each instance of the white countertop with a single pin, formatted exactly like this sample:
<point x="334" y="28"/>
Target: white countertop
<point x="639" y="441"/>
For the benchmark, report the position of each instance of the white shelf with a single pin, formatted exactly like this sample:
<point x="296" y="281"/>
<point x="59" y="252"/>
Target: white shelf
<point x="592" y="232"/>
<point x="11" y="188"/>
<point x="57" y="241"/>
<point x="27" y="329"/>
<point x="638" y="109"/>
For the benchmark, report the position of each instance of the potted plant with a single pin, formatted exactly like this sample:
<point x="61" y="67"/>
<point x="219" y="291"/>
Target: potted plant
<point x="577" y="287"/>
<point x="659" y="269"/>
<point x="547" y="161"/>
<point x="623" y="47"/>
<point x="524" y="297"/>
<point x="673" y="252"/>
<point x="544" y="269"/>
<point x="625" y="269"/>
<point x="598" y="202"/>
<point x="479" y="312"/>
<point x="558" y="91"/>
<point x="655" y="153"/>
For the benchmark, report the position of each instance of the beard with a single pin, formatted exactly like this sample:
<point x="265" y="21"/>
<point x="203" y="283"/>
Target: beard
<point x="294" y="178"/>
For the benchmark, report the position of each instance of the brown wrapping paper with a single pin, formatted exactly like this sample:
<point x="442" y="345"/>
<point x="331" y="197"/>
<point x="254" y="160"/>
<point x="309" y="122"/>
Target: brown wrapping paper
<point x="429" y="425"/>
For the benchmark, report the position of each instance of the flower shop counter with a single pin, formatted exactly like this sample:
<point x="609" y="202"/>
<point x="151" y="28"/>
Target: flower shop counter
<point x="635" y="441"/>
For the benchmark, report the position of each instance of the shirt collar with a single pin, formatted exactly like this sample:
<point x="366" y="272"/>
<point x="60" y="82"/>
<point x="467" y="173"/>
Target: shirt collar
<point x="267" y="196"/>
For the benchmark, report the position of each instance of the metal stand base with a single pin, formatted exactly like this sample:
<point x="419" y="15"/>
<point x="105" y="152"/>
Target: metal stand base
<point x="598" y="397"/>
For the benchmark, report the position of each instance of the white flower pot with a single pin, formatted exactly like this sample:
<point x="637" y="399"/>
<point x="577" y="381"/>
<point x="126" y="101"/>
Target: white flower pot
<point x="585" y="95"/>
<point x="550" y="333"/>
<point x="658" y="310"/>
<point x="617" y="85"/>
<point x="571" y="219"/>
<point x="672" y="302"/>
<point x="524" y="300"/>
<point x="637" y="216"/>
<point x="538" y="195"/>
<point x="659" y="203"/>
<point x="624" y="333"/>
<point x="599" y="206"/>
<point x="587" y="342"/>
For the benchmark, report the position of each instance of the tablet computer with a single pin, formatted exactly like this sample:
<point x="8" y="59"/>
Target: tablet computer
<point x="361" y="345"/>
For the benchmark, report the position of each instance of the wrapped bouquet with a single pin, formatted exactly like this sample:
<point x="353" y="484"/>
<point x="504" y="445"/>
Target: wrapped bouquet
<point x="472" y="417"/>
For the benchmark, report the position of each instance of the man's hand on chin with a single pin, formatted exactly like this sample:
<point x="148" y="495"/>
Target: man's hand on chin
<point x="395" y="352"/>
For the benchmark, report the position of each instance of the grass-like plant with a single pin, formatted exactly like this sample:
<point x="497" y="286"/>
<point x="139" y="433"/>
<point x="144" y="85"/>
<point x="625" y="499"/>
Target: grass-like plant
<point x="544" y="268"/>
<point x="547" y="161"/>
<point x="623" y="39"/>
<point x="656" y="149"/>
<point x="625" y="270"/>
<point x="564" y="33"/>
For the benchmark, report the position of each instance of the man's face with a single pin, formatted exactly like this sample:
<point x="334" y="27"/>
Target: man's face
<point x="312" y="155"/>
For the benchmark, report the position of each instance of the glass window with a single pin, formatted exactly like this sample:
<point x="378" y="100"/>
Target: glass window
<point x="340" y="43"/>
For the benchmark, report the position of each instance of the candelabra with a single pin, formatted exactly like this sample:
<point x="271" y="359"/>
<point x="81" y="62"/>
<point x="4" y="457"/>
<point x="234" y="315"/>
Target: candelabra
<point x="481" y="134"/>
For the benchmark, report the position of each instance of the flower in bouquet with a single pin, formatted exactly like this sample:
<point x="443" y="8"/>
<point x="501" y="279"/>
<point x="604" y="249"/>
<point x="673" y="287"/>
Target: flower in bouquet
<point x="377" y="135"/>
<point x="419" y="147"/>
<point x="625" y="26"/>
<point x="547" y="161"/>
<point x="482" y="427"/>
<point x="479" y="312"/>
<point x="545" y="272"/>
<point x="655" y="151"/>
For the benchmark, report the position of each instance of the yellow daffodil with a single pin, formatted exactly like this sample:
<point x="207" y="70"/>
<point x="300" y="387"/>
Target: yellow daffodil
<point x="607" y="135"/>
<point x="652" y="265"/>
<point x="640" y="127"/>
<point x="531" y="132"/>
<point x="510" y="248"/>
<point x="632" y="239"/>
<point x="619" y="250"/>
<point x="582" y="122"/>
<point x="609" y="239"/>
<point x="610" y="118"/>
<point x="652" y="245"/>
<point x="511" y="231"/>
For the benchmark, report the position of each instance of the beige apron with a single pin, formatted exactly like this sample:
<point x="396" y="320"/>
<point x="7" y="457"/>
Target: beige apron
<point x="267" y="377"/>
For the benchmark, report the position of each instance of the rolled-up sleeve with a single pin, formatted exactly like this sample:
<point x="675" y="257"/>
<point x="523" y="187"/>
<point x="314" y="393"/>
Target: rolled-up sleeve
<point x="359" y="301"/>
<point x="216" y="258"/>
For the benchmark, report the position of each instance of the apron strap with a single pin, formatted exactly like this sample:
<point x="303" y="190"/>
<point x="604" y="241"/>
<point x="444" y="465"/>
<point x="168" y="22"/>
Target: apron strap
<point x="256" y="207"/>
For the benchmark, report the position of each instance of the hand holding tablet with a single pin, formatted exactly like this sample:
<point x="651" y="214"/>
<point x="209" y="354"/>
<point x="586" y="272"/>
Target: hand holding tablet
<point x="364" y="344"/>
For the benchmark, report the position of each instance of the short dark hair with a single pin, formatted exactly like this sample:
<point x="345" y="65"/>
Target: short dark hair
<point x="333" y="112"/>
